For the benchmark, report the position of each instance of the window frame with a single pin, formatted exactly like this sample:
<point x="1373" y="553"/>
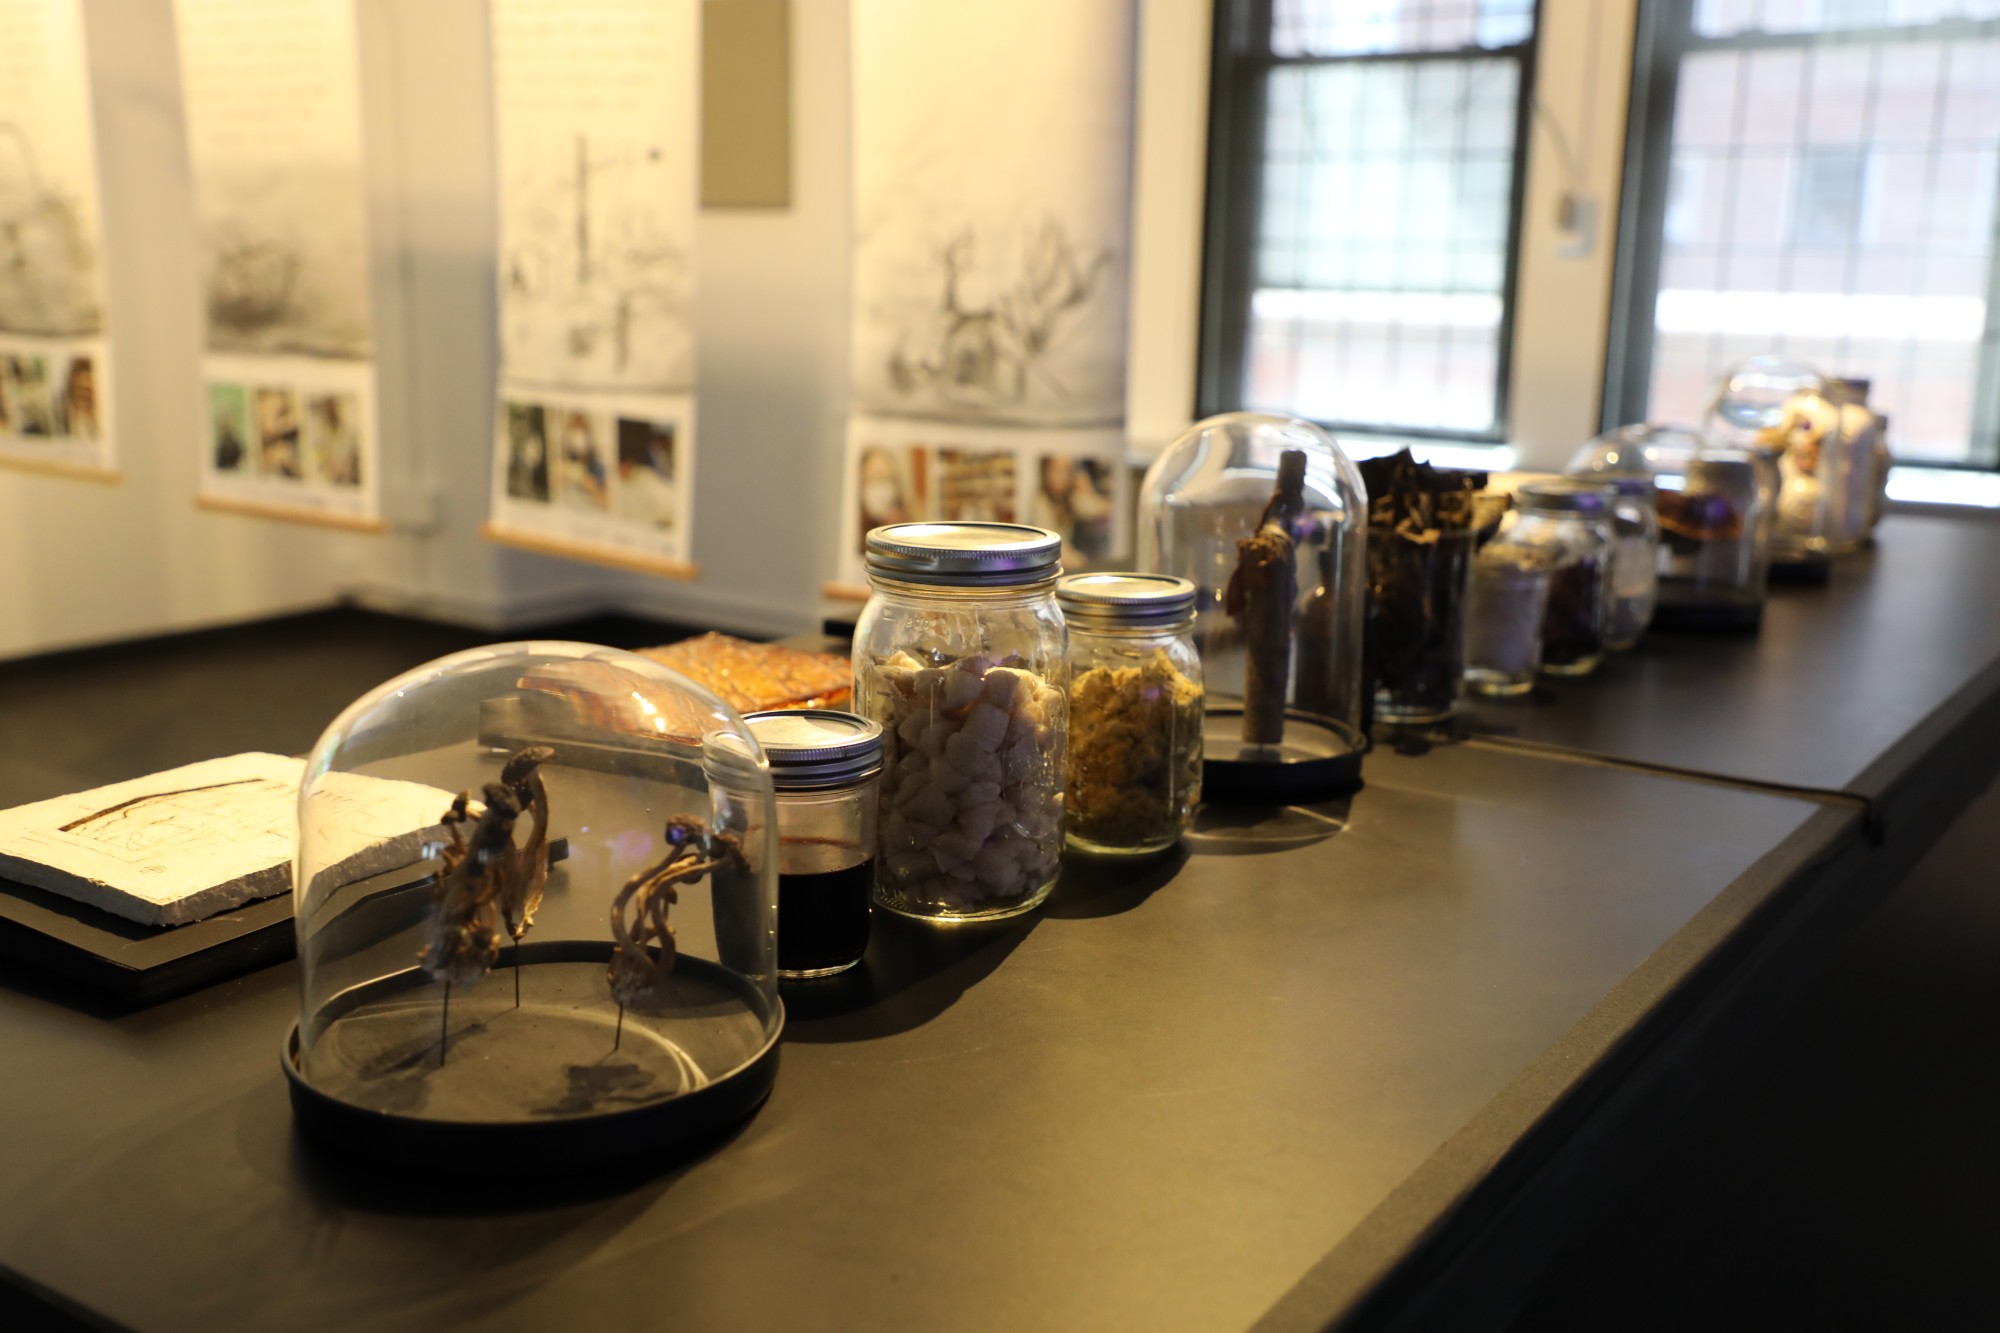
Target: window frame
<point x="1663" y="38"/>
<point x="1241" y="62"/>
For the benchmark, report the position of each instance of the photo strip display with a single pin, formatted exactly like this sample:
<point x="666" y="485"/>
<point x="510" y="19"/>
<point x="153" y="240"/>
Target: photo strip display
<point x="601" y="478"/>
<point x="290" y="436"/>
<point x="1074" y="483"/>
<point x="54" y="391"/>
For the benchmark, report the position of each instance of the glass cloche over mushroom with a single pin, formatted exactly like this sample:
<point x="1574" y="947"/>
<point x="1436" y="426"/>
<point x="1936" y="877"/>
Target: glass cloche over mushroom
<point x="1712" y="501"/>
<point x="1790" y="416"/>
<point x="536" y="915"/>
<point x="1267" y="517"/>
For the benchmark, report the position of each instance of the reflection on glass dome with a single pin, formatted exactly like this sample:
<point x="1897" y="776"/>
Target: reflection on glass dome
<point x="1752" y="395"/>
<point x="571" y="947"/>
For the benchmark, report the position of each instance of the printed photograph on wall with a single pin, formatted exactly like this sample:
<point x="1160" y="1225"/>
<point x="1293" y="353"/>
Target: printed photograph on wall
<point x="28" y="385"/>
<point x="645" y="487"/>
<point x="892" y="485"/>
<point x="976" y="485"/>
<point x="1076" y="498"/>
<point x="332" y="445"/>
<point x="583" y="481"/>
<point x="527" y="451"/>
<point x="228" y="427"/>
<point x="276" y="412"/>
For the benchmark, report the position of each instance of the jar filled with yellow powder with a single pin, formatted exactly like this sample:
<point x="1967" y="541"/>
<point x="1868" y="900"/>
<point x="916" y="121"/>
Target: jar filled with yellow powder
<point x="1132" y="774"/>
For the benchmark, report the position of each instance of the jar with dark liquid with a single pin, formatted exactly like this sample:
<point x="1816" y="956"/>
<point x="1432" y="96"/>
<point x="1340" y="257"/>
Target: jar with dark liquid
<point x="826" y="767"/>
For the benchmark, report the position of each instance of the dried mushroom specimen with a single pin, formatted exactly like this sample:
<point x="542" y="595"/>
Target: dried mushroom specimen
<point x="642" y="955"/>
<point x="466" y="931"/>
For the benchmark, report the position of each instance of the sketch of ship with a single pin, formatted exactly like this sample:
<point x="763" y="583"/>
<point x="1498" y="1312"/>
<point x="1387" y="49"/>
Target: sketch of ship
<point x="48" y="264"/>
<point x="594" y="283"/>
<point x="252" y="285"/>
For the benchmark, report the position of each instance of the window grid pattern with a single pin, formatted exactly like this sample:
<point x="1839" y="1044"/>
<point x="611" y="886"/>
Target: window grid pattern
<point x="1386" y="197"/>
<point x="1835" y="201"/>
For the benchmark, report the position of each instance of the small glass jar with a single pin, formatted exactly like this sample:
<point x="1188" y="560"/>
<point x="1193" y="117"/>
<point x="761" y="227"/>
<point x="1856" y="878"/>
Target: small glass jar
<point x="1504" y="608"/>
<point x="960" y="654"/>
<point x="826" y="771"/>
<point x="1635" y="560"/>
<point x="1133" y="771"/>
<point x="1416" y="623"/>
<point x="1572" y="521"/>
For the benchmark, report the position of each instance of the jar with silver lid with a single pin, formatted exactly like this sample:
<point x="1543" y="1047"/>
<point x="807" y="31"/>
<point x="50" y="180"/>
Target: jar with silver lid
<point x="1572" y="521"/>
<point x="960" y="655"/>
<point x="1635" y="559"/>
<point x="826" y="772"/>
<point x="1133" y="772"/>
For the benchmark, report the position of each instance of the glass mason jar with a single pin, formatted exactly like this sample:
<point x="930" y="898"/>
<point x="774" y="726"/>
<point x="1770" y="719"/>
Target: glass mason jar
<point x="826" y="772"/>
<point x="1504" y="608"/>
<point x="1571" y="520"/>
<point x="1713" y="558"/>
<point x="1635" y="560"/>
<point x="1133" y="772"/>
<point x="960" y="654"/>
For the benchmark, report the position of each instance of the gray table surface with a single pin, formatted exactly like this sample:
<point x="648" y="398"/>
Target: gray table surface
<point x="1836" y="677"/>
<point x="1158" y="1102"/>
<point x="1226" y="1083"/>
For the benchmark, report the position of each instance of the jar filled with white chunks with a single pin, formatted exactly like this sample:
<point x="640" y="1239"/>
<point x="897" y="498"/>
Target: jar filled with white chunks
<point x="959" y="654"/>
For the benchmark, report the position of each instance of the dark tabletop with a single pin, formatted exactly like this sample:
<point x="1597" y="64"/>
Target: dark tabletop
<point x="1158" y="1102"/>
<point x="1837" y="676"/>
<point x="1236" y="1079"/>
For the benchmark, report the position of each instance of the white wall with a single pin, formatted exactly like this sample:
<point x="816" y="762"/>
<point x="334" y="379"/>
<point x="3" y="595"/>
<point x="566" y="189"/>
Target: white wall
<point x="83" y="562"/>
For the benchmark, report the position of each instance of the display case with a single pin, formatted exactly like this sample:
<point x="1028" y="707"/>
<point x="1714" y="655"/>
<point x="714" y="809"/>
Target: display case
<point x="1267" y="517"/>
<point x="563" y="954"/>
<point x="1711" y="503"/>
<point x="1812" y="468"/>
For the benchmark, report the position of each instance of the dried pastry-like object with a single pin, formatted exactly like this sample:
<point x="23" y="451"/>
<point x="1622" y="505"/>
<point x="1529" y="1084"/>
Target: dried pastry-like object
<point x="751" y="677"/>
<point x="642" y="956"/>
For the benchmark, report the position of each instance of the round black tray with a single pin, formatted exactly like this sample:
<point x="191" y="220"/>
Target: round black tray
<point x="1317" y="758"/>
<point x="553" y="1141"/>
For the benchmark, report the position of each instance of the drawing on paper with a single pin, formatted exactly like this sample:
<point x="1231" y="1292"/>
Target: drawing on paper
<point x="28" y="387"/>
<point x="988" y="345"/>
<point x="48" y="261"/>
<point x="594" y="277"/>
<point x="287" y="271"/>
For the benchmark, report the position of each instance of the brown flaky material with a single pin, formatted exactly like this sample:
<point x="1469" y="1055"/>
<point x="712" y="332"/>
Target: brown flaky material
<point x="750" y="677"/>
<point x="1263" y="594"/>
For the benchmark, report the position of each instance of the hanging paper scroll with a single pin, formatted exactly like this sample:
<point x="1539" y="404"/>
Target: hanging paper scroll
<point x="271" y="93"/>
<point x="992" y="209"/>
<point x="55" y="389"/>
<point x="595" y="111"/>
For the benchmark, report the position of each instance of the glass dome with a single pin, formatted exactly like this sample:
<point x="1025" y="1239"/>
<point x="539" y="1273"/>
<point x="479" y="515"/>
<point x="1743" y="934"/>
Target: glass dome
<point x="1712" y="501"/>
<point x="536" y="909"/>
<point x="1790" y="416"/>
<point x="1267" y="517"/>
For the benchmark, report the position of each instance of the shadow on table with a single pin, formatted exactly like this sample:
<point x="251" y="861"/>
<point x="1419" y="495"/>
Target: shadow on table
<point x="912" y="973"/>
<point x="1100" y="886"/>
<point x="1252" y="830"/>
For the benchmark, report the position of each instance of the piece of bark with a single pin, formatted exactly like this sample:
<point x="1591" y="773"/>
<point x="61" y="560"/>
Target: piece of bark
<point x="1263" y="595"/>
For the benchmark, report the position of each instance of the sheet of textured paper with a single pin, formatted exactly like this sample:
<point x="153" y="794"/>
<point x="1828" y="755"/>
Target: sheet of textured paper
<point x="272" y="99"/>
<point x="55" y="399"/>
<point x="193" y="841"/>
<point x="595" y="109"/>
